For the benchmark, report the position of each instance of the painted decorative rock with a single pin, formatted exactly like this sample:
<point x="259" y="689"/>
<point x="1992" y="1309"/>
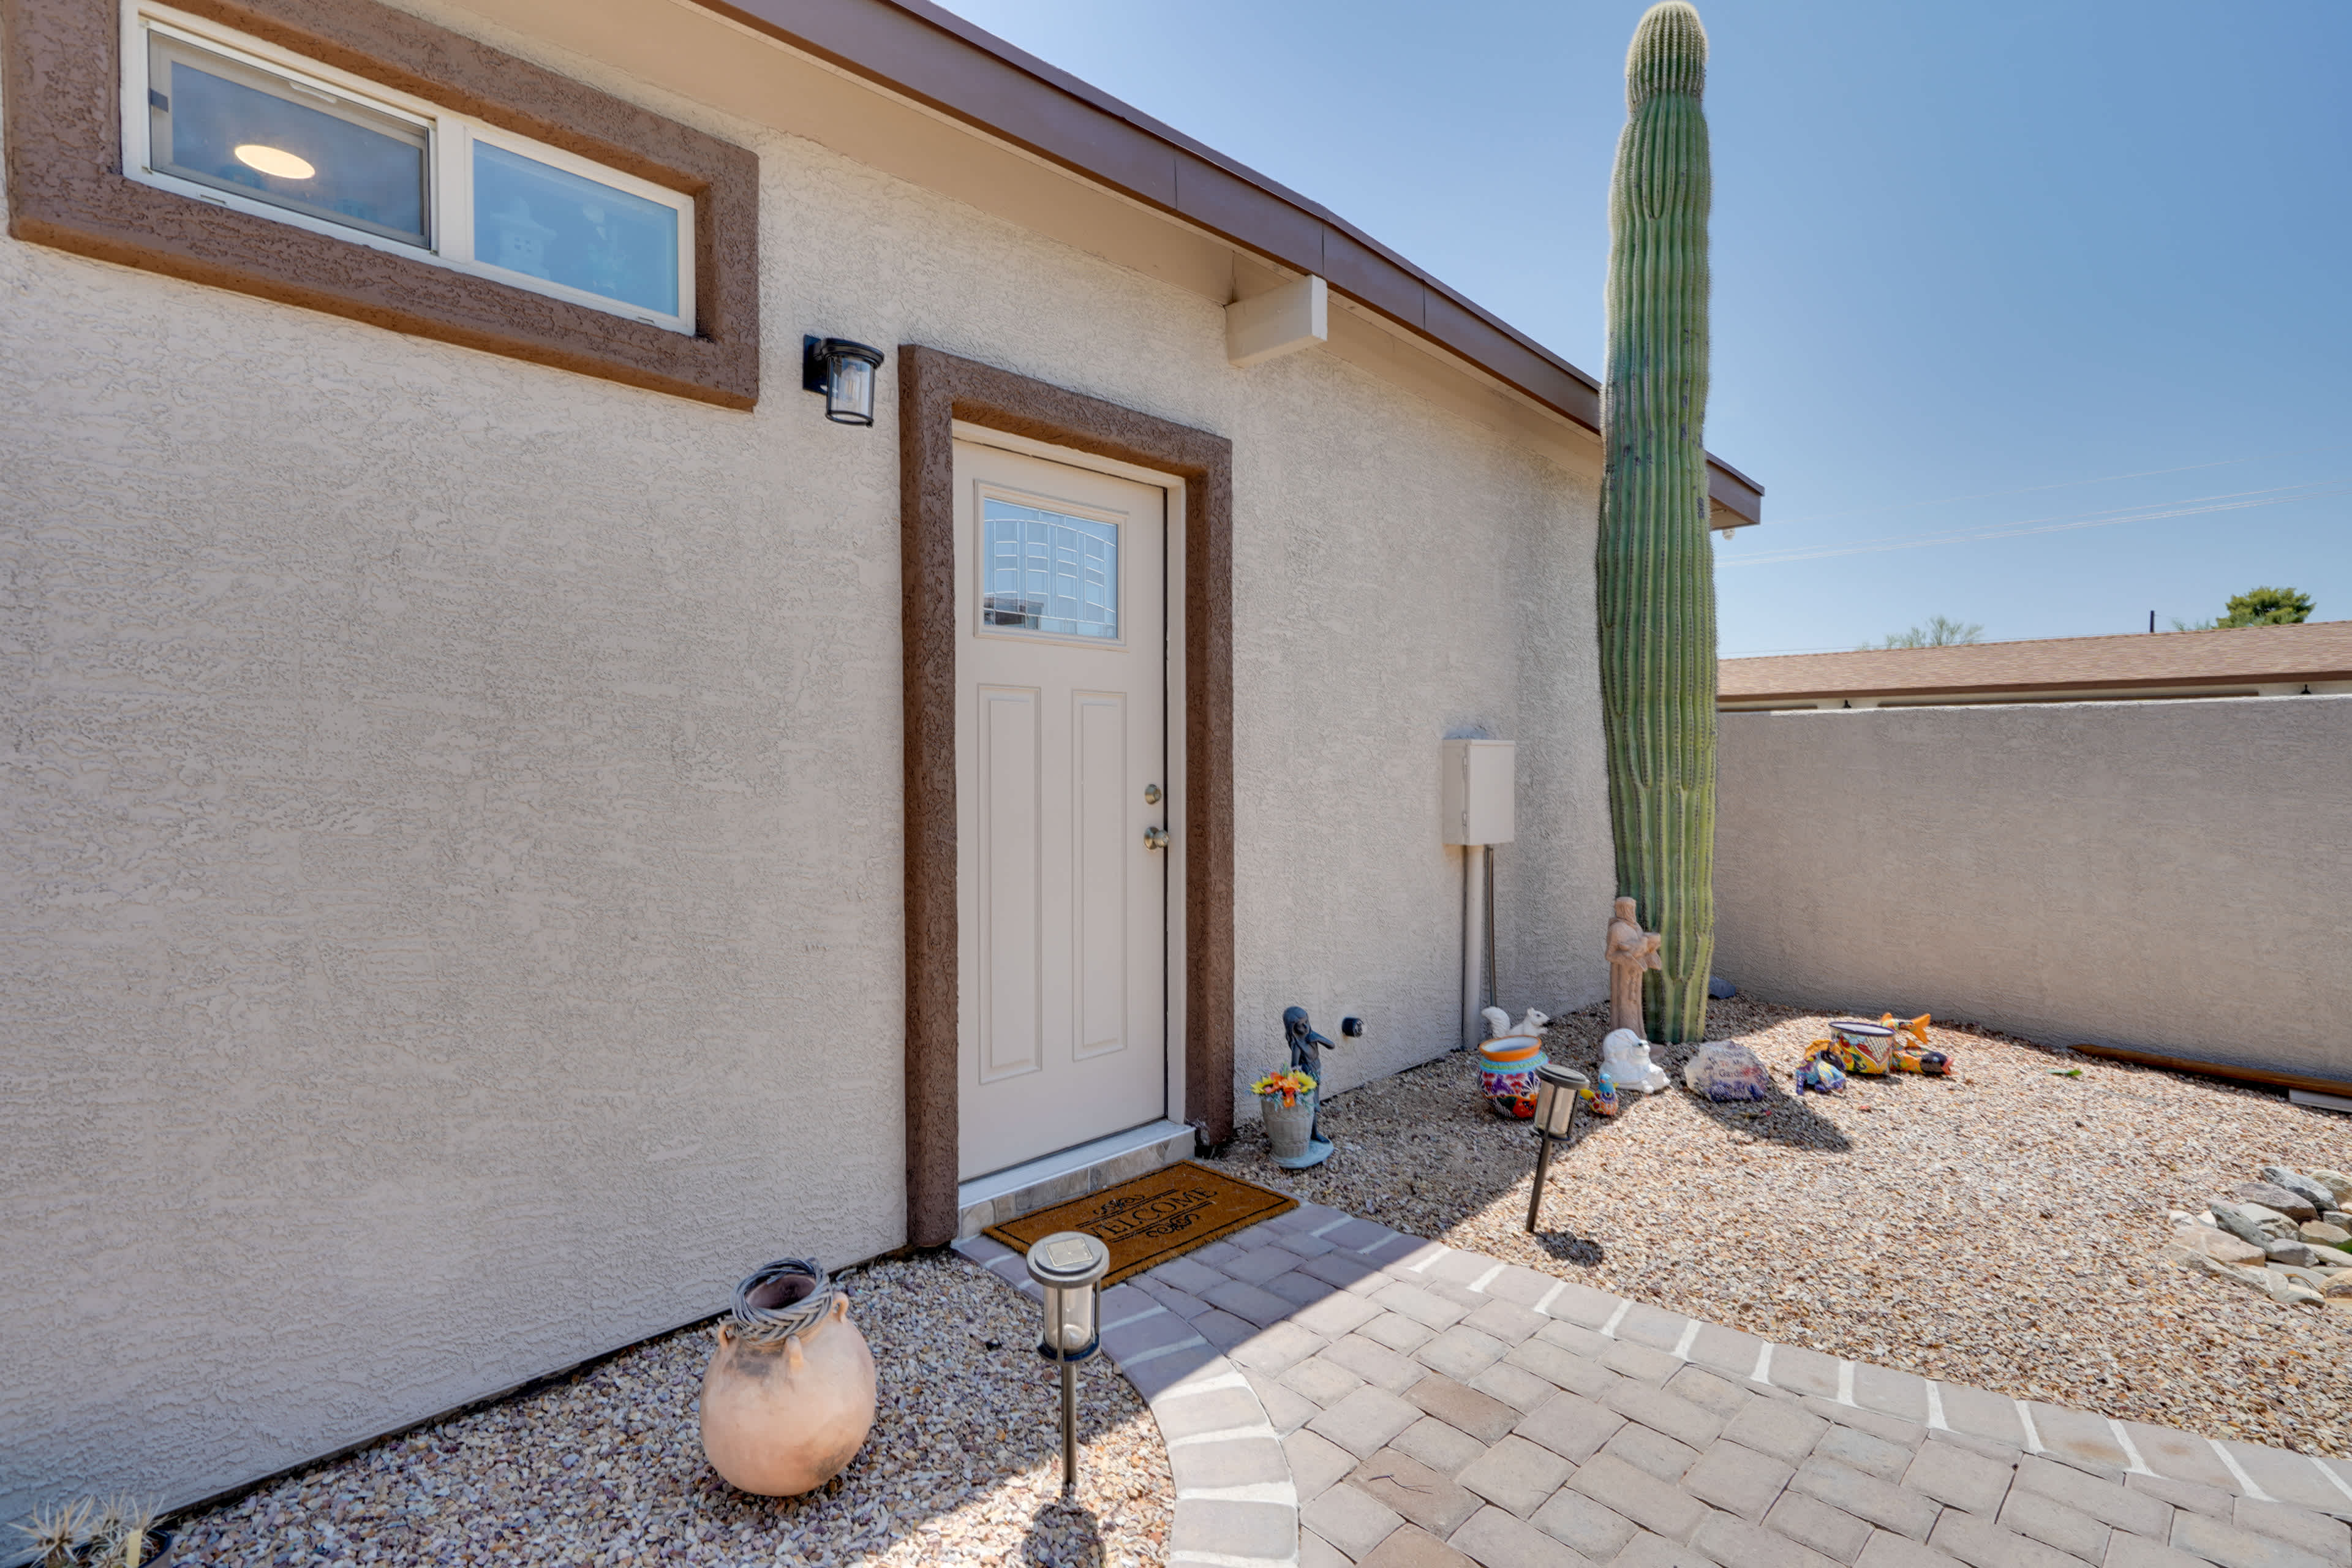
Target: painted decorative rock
<point x="1722" y="1071"/>
<point x="788" y="1398"/>
<point x="1510" y="1086"/>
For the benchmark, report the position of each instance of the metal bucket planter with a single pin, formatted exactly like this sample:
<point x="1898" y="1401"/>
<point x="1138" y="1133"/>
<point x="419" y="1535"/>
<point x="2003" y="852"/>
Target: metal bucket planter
<point x="788" y="1397"/>
<point x="1287" y="1127"/>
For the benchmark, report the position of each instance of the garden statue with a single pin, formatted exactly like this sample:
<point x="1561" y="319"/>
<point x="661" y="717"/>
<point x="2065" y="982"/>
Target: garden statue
<point x="1632" y="950"/>
<point x="1307" y="1056"/>
<point x="1654" y="569"/>
<point x="1500" y="1028"/>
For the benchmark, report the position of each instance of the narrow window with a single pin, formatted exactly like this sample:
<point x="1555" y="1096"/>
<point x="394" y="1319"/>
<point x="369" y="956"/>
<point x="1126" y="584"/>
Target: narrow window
<point x="534" y="218"/>
<point x="234" y="127"/>
<point x="230" y="119"/>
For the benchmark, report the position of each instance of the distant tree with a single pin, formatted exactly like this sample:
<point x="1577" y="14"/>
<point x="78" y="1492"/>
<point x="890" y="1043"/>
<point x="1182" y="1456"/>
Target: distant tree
<point x="1938" y="633"/>
<point x="2268" y="607"/>
<point x="2180" y="626"/>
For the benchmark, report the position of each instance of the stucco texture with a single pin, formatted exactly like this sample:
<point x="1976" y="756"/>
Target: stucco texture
<point x="450" y="848"/>
<point x="2164" y="874"/>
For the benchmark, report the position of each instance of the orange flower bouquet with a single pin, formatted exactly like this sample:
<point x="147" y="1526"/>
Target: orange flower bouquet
<point x="1289" y="1085"/>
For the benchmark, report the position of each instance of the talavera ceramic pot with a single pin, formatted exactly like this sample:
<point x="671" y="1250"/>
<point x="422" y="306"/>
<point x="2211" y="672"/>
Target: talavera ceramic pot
<point x="788" y="1397"/>
<point x="1510" y="1086"/>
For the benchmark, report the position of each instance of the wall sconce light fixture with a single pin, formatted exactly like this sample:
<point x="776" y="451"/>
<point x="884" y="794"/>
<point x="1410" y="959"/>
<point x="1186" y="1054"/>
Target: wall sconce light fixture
<point x="844" y="372"/>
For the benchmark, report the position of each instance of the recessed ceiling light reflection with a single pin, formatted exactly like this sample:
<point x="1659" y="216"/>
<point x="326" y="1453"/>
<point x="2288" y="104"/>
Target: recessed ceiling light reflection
<point x="274" y="160"/>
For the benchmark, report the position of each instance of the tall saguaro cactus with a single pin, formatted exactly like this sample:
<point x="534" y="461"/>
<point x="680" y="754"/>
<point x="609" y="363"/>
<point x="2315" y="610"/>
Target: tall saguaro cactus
<point x="1655" y="568"/>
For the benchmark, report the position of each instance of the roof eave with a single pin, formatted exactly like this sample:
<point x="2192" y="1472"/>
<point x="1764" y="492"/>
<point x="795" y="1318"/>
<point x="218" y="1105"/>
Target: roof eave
<point x="917" y="50"/>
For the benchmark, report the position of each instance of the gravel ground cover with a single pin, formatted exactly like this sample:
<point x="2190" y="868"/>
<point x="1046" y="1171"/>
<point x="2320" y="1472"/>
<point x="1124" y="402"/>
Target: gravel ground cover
<point x="605" y="1466"/>
<point x="2003" y="1227"/>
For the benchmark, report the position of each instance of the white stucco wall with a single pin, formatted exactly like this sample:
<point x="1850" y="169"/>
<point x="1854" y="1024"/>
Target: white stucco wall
<point x="450" y="852"/>
<point x="2172" y="876"/>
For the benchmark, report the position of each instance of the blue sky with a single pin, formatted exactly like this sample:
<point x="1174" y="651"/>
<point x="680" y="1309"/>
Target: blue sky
<point x="1984" y="268"/>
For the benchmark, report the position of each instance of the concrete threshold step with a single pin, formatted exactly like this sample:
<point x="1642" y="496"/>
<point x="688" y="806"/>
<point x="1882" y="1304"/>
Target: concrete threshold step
<point x="1071" y="1174"/>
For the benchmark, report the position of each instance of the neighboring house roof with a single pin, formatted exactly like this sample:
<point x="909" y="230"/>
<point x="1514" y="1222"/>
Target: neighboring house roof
<point x="2247" y="660"/>
<point x="941" y="60"/>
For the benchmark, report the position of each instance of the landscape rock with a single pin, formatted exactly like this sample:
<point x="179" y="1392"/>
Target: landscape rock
<point x="2275" y="1283"/>
<point x="2338" y="1286"/>
<point x="2271" y="1195"/>
<point x="2219" y="1243"/>
<point x="2299" y="1253"/>
<point x="2292" y="1292"/>
<point x="2319" y="1232"/>
<point x="2337" y="1217"/>
<point x="2251" y="1222"/>
<point x="2253" y="1278"/>
<point x="2335" y="1181"/>
<point x="2320" y="1195"/>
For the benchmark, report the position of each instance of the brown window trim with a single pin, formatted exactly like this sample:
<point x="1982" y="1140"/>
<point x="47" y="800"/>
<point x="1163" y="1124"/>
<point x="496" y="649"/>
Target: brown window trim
<point x="935" y="390"/>
<point x="66" y="188"/>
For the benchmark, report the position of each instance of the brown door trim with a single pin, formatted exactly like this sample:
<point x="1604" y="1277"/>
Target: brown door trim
<point x="935" y="390"/>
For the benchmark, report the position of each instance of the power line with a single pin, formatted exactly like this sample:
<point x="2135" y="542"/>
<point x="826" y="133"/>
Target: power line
<point x="2059" y="485"/>
<point x="2240" y="501"/>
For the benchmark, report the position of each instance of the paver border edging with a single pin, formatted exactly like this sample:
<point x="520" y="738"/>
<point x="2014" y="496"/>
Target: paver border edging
<point x="1231" y="1500"/>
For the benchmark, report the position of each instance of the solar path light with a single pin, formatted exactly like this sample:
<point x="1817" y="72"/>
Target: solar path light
<point x="1069" y="1266"/>
<point x="1557" y="1092"/>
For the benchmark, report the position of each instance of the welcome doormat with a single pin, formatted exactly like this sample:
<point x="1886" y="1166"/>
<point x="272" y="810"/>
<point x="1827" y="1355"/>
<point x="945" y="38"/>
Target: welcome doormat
<point x="1152" y="1218"/>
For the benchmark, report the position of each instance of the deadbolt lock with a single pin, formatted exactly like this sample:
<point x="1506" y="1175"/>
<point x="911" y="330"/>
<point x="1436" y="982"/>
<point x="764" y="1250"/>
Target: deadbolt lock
<point x="1152" y="794"/>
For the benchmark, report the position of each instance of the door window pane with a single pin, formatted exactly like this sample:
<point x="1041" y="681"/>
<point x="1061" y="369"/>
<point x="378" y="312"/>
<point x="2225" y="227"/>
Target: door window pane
<point x="544" y="222"/>
<point x="1045" y="572"/>
<point x="226" y="124"/>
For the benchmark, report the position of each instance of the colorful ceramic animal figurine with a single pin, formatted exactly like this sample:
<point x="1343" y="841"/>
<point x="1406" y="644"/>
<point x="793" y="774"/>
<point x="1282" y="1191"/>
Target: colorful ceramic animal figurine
<point x="1601" y="1100"/>
<point x="1914" y="1027"/>
<point x="1820" y="1075"/>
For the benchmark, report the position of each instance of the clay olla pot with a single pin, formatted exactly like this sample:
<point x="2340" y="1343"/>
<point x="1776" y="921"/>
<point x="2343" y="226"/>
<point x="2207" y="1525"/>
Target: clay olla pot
<point x="788" y="1397"/>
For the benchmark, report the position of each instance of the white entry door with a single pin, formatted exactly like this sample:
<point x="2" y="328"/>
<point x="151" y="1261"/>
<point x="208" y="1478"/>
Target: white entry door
<point x="1061" y="675"/>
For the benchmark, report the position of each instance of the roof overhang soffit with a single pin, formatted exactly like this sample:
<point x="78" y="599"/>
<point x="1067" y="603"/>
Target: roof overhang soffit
<point x="921" y="52"/>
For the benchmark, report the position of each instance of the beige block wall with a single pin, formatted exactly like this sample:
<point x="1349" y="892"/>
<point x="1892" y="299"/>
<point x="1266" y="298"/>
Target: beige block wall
<point x="450" y="848"/>
<point x="2175" y="875"/>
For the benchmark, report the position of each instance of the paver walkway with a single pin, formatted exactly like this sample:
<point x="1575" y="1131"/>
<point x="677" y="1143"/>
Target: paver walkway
<point x="1333" y="1392"/>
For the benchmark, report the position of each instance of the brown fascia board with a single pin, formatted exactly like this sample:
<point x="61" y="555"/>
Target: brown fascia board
<point x="939" y="59"/>
<point x="2079" y="684"/>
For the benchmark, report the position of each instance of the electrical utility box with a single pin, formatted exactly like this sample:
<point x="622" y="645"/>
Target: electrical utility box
<point x="1481" y="791"/>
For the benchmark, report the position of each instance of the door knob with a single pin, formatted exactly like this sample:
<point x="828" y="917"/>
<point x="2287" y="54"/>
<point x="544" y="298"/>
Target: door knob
<point x="1155" y="838"/>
